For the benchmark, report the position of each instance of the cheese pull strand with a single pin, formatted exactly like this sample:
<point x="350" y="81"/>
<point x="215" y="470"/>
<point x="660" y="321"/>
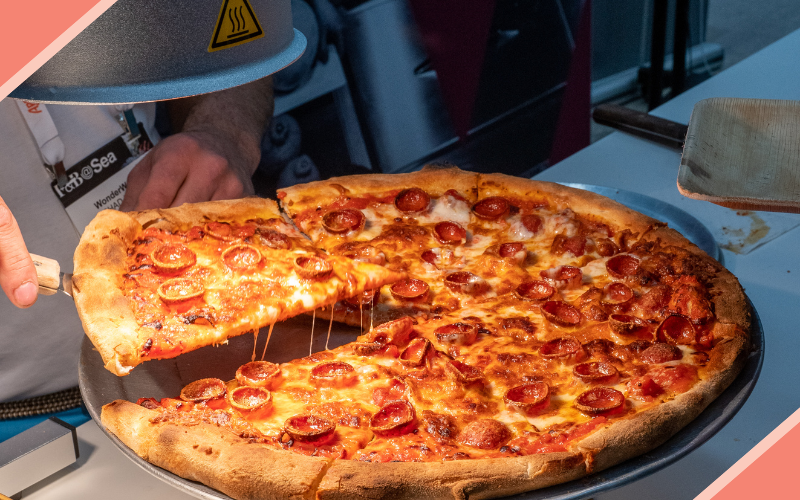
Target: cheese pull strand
<point x="330" y="325"/>
<point x="269" y="335"/>
<point x="313" y="320"/>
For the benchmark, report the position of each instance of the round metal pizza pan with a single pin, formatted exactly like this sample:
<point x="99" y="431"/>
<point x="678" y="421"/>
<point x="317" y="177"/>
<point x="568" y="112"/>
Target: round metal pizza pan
<point x="290" y="340"/>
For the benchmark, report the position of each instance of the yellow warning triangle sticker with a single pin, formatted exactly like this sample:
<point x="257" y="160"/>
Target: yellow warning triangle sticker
<point x="237" y="24"/>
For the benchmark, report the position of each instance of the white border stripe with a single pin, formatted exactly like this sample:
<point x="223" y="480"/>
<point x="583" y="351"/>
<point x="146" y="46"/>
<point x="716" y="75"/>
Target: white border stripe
<point x="51" y="50"/>
<point x="751" y="456"/>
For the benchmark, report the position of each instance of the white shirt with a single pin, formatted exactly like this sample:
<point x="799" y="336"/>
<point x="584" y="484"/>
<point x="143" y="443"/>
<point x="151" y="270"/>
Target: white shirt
<point x="39" y="346"/>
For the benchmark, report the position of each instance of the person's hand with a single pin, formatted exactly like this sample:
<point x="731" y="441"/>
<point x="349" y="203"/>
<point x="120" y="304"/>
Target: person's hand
<point x="212" y="158"/>
<point x="189" y="167"/>
<point x="17" y="273"/>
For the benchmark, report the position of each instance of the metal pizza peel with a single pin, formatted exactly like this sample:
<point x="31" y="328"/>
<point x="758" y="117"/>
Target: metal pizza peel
<point x="738" y="153"/>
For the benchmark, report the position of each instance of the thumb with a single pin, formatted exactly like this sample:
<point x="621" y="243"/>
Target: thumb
<point x="17" y="273"/>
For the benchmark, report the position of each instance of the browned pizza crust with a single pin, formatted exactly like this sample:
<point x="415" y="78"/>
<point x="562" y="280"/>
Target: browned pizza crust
<point x="585" y="203"/>
<point x="96" y="288"/>
<point x="215" y="456"/>
<point x="434" y="179"/>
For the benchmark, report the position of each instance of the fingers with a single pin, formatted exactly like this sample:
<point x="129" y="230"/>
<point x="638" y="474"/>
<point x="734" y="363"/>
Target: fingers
<point x="186" y="168"/>
<point x="17" y="273"/>
<point x="137" y="180"/>
<point x="232" y="187"/>
<point x="205" y="177"/>
<point x="162" y="186"/>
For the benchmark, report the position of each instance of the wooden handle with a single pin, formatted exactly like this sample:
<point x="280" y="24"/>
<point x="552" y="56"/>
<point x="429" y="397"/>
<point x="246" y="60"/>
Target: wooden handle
<point x="641" y="124"/>
<point x="48" y="271"/>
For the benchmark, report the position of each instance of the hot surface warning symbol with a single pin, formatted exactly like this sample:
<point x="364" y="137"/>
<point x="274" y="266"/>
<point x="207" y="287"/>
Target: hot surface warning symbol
<point x="237" y="24"/>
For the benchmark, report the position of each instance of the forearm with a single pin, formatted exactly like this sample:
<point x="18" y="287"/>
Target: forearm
<point x="238" y="115"/>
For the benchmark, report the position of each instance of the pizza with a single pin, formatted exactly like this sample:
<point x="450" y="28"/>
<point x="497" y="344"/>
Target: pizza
<point x="535" y="334"/>
<point x="158" y="283"/>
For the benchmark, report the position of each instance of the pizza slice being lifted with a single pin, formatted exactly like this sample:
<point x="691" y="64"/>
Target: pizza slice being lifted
<point x="158" y="283"/>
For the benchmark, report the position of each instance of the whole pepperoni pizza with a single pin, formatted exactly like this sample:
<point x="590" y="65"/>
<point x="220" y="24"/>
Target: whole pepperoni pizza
<point x="529" y="334"/>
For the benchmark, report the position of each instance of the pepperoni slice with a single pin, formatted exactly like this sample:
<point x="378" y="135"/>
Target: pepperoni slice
<point x="395" y="332"/>
<point x="412" y="200"/>
<point x="464" y="373"/>
<point x="457" y="333"/>
<point x="274" y="239"/>
<point x="689" y="300"/>
<point x="606" y="247"/>
<point x="410" y="289"/>
<point x="455" y="194"/>
<point x="203" y="390"/>
<point x="246" y="398"/>
<point x="310" y="429"/>
<point x="180" y="289"/>
<point x="560" y="313"/>
<point x="490" y="208"/>
<point x="344" y="220"/>
<point x="429" y="256"/>
<point x="624" y="324"/>
<point x="333" y="373"/>
<point x="149" y="403"/>
<point x="559" y="348"/>
<point x="595" y="371"/>
<point x="441" y="427"/>
<point x="599" y="347"/>
<point x="510" y="249"/>
<point x="465" y="282"/>
<point x="576" y="245"/>
<point x="660" y="353"/>
<point x="393" y="419"/>
<point x="528" y="399"/>
<point x="241" y="257"/>
<point x="535" y="290"/>
<point x="374" y="348"/>
<point x="623" y="265"/>
<point x="313" y="267"/>
<point x="676" y="330"/>
<point x="220" y="230"/>
<point x="173" y="258"/>
<point x="599" y="400"/>
<point x="532" y="222"/>
<point x="450" y="233"/>
<point x="365" y="299"/>
<point x="563" y="277"/>
<point x="484" y="434"/>
<point x="394" y="391"/>
<point x="259" y="374"/>
<point x="414" y="354"/>
<point x="617" y="293"/>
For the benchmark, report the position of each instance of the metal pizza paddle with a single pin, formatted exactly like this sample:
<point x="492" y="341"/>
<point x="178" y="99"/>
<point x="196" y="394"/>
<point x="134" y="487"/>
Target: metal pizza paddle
<point x="738" y="153"/>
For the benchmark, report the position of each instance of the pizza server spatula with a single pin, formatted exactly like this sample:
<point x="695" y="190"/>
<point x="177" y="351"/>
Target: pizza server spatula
<point x="51" y="279"/>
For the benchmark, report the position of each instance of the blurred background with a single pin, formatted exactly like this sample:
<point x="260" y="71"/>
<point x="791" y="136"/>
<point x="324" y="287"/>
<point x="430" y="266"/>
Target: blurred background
<point x="489" y="85"/>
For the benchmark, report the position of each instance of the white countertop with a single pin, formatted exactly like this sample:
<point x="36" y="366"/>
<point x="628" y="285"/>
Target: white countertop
<point x="770" y="275"/>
